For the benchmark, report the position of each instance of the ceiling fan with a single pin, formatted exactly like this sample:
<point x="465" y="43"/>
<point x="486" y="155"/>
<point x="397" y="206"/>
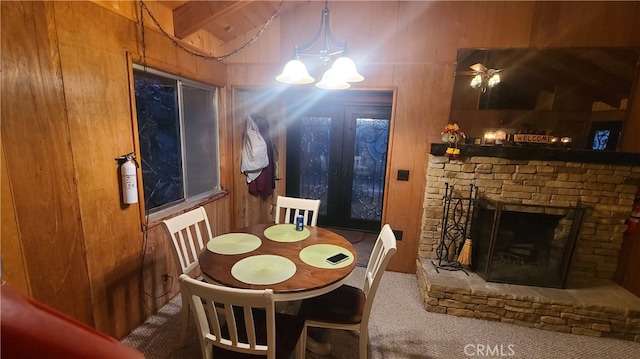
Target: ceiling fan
<point x="483" y="77"/>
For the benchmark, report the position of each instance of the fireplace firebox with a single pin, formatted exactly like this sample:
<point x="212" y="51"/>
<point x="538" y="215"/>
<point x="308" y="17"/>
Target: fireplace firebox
<point x="526" y="244"/>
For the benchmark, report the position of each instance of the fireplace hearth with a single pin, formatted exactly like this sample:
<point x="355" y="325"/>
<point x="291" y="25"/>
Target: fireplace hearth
<point x="524" y="244"/>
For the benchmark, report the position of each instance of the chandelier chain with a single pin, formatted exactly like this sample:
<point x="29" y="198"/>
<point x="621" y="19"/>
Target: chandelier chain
<point x="177" y="44"/>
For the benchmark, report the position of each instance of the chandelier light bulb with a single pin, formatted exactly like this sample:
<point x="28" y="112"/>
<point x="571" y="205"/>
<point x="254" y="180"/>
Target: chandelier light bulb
<point x="295" y="72"/>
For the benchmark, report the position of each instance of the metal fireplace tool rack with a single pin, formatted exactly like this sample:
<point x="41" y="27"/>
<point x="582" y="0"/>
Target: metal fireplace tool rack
<point x="455" y="226"/>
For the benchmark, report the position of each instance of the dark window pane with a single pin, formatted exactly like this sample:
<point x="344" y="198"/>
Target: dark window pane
<point x="159" y="135"/>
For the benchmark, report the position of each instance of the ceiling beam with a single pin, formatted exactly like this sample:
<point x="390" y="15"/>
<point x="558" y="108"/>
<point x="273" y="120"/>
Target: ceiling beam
<point x="195" y="15"/>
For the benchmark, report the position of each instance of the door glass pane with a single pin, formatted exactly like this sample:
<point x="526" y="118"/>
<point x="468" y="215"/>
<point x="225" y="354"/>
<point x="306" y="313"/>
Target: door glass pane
<point x="314" y="159"/>
<point x="369" y="164"/>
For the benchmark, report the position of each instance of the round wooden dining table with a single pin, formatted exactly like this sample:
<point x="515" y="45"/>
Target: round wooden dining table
<point x="276" y="256"/>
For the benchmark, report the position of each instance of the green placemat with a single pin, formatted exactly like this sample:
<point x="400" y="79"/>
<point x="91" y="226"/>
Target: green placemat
<point x="234" y="243"/>
<point x="263" y="269"/>
<point x="316" y="255"/>
<point x="286" y="233"/>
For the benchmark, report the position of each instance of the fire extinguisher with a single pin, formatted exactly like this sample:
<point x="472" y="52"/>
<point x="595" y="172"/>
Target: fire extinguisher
<point x="128" y="173"/>
<point x="634" y="221"/>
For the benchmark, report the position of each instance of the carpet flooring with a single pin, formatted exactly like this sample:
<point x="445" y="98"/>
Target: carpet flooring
<point x="400" y="328"/>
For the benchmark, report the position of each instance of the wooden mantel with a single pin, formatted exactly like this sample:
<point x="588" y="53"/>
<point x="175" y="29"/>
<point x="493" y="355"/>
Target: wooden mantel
<point x="541" y="153"/>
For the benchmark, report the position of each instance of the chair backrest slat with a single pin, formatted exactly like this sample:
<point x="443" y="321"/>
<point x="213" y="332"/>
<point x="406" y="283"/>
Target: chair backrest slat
<point x="212" y="314"/>
<point x="249" y="323"/>
<point x="291" y="207"/>
<point x="182" y="243"/>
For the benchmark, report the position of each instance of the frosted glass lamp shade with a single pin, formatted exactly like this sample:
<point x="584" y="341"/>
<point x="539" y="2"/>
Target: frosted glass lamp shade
<point x="476" y="81"/>
<point x="332" y="81"/>
<point x="346" y="68"/>
<point x="295" y="72"/>
<point x="494" y="80"/>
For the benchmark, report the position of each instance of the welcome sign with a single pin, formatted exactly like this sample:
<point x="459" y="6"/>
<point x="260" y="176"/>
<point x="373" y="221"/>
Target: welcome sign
<point x="533" y="138"/>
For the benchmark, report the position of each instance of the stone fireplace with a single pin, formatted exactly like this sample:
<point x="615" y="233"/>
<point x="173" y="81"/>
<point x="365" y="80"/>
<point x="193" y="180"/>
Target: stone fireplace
<point x="599" y="187"/>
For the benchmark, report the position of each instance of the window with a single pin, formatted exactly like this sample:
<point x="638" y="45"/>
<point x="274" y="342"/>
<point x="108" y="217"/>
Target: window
<point x="178" y="135"/>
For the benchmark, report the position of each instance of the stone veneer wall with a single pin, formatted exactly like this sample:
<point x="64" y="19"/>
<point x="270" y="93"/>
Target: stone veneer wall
<point x="606" y="190"/>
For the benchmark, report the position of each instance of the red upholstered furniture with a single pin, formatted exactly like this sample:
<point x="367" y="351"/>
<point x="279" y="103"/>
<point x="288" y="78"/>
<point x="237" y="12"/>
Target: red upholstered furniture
<point x="33" y="330"/>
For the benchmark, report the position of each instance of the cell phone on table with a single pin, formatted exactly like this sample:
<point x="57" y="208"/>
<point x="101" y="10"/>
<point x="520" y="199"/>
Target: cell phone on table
<point x="340" y="257"/>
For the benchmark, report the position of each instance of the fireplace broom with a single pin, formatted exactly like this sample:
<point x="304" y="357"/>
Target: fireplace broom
<point x="464" y="257"/>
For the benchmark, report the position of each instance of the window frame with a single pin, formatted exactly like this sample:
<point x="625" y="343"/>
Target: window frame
<point x="187" y="202"/>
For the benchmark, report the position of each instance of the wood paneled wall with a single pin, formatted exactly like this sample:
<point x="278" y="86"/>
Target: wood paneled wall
<point x="39" y="159"/>
<point x="66" y="116"/>
<point x="66" y="238"/>
<point x="411" y="47"/>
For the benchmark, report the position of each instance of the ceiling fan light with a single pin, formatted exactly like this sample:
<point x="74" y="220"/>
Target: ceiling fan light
<point x="494" y="80"/>
<point x="295" y="72"/>
<point x="346" y="68"/>
<point x="331" y="80"/>
<point x="476" y="81"/>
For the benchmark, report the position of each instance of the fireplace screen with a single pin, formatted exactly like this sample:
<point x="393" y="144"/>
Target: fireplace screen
<point x="524" y="244"/>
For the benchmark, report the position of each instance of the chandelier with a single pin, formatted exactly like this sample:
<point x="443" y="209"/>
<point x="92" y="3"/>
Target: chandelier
<point x="338" y="76"/>
<point x="484" y="77"/>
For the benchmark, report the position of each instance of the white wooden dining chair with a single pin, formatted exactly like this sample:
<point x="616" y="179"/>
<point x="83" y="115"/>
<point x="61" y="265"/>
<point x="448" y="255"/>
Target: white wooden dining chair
<point x="349" y="307"/>
<point x="291" y="207"/>
<point x="250" y="325"/>
<point x="186" y="231"/>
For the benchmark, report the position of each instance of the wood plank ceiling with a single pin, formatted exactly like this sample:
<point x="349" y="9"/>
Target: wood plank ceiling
<point x="225" y="20"/>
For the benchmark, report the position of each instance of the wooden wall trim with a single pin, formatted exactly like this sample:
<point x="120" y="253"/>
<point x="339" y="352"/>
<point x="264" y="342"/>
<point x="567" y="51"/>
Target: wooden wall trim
<point x="136" y="142"/>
